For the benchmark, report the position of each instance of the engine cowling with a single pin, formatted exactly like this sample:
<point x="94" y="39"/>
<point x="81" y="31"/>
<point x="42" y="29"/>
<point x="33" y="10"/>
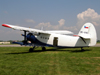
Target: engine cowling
<point x="31" y="37"/>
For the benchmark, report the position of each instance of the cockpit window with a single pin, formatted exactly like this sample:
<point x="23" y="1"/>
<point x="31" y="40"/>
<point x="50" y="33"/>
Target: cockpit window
<point x="30" y="34"/>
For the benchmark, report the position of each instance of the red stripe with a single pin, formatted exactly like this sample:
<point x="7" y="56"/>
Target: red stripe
<point x="76" y="35"/>
<point x="86" y="27"/>
<point x="6" y="25"/>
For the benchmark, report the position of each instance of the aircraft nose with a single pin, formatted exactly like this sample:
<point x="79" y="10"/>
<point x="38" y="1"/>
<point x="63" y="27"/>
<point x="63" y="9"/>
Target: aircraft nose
<point x="31" y="38"/>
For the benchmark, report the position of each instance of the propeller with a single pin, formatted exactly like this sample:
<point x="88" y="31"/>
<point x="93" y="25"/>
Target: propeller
<point x="25" y="36"/>
<point x="25" y="39"/>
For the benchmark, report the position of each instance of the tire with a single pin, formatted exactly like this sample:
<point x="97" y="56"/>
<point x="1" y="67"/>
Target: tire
<point x="43" y="48"/>
<point x="31" y="50"/>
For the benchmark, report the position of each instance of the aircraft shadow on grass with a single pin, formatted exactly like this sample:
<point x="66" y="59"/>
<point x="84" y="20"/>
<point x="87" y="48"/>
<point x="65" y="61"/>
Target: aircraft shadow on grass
<point x="54" y="50"/>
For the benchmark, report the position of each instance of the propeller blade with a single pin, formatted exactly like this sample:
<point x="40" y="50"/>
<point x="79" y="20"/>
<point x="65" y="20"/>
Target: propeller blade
<point x="25" y="36"/>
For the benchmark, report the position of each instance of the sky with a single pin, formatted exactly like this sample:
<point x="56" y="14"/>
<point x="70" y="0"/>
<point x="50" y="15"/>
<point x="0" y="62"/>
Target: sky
<point x="50" y="14"/>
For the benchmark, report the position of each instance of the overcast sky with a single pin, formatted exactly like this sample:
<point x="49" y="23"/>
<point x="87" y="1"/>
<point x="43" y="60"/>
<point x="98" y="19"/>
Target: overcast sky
<point x="50" y="14"/>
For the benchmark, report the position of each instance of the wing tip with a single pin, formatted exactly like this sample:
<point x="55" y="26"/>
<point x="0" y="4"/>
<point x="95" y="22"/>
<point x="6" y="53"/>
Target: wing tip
<point x="5" y="25"/>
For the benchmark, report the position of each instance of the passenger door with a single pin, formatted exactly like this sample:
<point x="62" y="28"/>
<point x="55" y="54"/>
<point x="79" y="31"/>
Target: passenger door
<point x="55" y="41"/>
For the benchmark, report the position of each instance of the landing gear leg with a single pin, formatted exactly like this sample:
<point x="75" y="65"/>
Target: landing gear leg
<point x="31" y="49"/>
<point x="43" y="48"/>
<point x="82" y="49"/>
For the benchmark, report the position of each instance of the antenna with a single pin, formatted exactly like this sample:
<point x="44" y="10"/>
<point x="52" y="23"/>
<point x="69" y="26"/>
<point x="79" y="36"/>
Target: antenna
<point x="42" y="28"/>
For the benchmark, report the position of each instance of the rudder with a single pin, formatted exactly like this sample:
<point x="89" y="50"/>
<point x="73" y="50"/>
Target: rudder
<point x="88" y="32"/>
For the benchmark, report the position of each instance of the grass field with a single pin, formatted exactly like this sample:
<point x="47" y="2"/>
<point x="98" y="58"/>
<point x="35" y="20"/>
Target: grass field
<point x="18" y="61"/>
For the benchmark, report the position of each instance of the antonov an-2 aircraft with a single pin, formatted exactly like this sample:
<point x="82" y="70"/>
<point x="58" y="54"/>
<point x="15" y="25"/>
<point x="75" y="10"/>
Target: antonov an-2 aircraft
<point x="62" y="39"/>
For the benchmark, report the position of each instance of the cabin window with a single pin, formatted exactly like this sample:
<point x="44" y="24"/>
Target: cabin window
<point x="44" y="37"/>
<point x="86" y="32"/>
<point x="81" y="31"/>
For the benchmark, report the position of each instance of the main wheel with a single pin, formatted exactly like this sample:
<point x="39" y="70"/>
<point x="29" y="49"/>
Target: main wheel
<point x="43" y="48"/>
<point x="31" y="50"/>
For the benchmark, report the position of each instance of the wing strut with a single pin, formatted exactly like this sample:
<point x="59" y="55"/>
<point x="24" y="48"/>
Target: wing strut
<point x="25" y="36"/>
<point x="25" y="39"/>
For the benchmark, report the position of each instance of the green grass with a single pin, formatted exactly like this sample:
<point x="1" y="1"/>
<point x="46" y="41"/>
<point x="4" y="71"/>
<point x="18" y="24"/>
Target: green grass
<point x="18" y="61"/>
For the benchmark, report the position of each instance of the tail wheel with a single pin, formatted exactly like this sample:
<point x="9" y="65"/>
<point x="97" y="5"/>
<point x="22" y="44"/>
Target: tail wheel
<point x="82" y="49"/>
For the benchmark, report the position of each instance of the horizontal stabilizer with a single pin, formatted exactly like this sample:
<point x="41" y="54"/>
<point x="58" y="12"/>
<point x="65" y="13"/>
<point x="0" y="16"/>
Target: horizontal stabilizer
<point x="85" y="36"/>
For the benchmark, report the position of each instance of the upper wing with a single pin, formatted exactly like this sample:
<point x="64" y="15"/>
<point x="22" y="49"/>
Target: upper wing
<point x="61" y="32"/>
<point x="25" y="29"/>
<point x="35" y="30"/>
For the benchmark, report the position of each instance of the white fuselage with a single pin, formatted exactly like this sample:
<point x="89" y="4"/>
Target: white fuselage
<point x="62" y="40"/>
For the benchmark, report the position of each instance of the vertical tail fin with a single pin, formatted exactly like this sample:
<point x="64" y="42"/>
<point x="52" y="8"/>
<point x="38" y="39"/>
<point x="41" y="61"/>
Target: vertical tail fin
<point x="88" y="32"/>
